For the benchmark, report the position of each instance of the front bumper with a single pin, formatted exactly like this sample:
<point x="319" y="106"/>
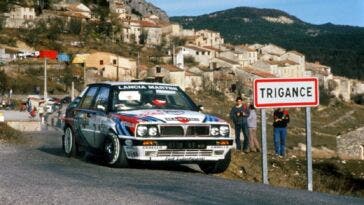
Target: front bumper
<point x="189" y="151"/>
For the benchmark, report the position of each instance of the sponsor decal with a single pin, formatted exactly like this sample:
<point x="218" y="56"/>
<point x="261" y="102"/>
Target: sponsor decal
<point x="148" y="87"/>
<point x="183" y="119"/>
<point x="180" y="118"/>
<point x="210" y="118"/>
<point x="174" y="112"/>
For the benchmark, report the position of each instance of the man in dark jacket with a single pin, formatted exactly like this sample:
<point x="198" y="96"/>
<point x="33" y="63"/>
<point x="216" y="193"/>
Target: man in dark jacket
<point x="239" y="115"/>
<point x="281" y="119"/>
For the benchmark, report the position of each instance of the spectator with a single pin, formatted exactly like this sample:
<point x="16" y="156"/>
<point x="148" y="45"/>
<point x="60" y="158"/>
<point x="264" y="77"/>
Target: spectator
<point x="239" y="114"/>
<point x="281" y="119"/>
<point x="252" y="124"/>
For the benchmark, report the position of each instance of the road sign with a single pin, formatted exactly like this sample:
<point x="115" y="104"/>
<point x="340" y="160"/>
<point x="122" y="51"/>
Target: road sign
<point x="286" y="92"/>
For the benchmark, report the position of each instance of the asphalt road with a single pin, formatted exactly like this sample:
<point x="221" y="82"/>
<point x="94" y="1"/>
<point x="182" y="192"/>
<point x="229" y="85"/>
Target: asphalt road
<point x="39" y="173"/>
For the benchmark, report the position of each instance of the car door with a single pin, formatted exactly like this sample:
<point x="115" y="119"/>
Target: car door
<point x="101" y="107"/>
<point x="86" y="116"/>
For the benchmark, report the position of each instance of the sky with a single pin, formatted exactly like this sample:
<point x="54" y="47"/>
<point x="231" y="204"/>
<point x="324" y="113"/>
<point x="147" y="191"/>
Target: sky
<point x="343" y="12"/>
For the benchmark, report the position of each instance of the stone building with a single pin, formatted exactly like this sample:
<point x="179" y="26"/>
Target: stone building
<point x="18" y="15"/>
<point x="351" y="145"/>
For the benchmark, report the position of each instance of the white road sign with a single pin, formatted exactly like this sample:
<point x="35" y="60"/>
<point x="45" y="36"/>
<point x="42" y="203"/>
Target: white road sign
<point x="286" y="92"/>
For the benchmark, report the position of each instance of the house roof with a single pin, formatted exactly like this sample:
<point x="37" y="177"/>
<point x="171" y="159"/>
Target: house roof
<point x="228" y="60"/>
<point x="258" y="72"/>
<point x="246" y="48"/>
<point x="281" y="63"/>
<point x="212" y="48"/>
<point x="196" y="48"/>
<point x="146" y="23"/>
<point x="297" y="53"/>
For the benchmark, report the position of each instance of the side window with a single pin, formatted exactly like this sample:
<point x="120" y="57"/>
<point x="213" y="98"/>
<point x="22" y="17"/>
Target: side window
<point x="102" y="98"/>
<point x="89" y="96"/>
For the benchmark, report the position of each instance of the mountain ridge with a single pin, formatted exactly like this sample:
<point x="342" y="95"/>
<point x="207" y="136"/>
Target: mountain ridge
<point x="339" y="46"/>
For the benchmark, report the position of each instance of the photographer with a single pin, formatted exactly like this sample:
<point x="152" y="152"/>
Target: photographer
<point x="239" y="115"/>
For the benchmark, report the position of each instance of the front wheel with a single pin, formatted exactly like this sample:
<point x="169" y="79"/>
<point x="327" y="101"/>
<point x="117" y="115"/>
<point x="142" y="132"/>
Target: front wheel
<point x="216" y="167"/>
<point x="69" y="143"/>
<point x="114" y="153"/>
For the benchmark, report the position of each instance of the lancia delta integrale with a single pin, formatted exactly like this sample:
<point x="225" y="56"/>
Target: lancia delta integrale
<point x="151" y="122"/>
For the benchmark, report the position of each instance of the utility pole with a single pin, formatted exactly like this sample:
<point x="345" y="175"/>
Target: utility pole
<point x="117" y="68"/>
<point x="174" y="55"/>
<point x="137" y="68"/>
<point x="45" y="79"/>
<point x="84" y="74"/>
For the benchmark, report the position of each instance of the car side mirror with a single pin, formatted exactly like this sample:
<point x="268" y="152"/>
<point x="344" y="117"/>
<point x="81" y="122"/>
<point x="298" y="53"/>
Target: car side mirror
<point x="101" y="107"/>
<point x="200" y="107"/>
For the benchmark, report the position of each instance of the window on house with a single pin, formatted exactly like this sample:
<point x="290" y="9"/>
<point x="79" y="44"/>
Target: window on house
<point x="203" y="52"/>
<point x="101" y="62"/>
<point x="114" y="61"/>
<point x="25" y="16"/>
<point x="197" y="53"/>
<point x="158" y="69"/>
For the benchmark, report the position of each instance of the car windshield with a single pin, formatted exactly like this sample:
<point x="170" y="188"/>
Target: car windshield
<point x="135" y="97"/>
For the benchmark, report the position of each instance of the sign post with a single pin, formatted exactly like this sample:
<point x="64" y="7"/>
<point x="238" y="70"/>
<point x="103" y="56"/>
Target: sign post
<point x="308" y="149"/>
<point x="264" y="148"/>
<point x="287" y="92"/>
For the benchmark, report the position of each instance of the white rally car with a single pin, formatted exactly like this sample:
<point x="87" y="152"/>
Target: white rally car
<point x="145" y="122"/>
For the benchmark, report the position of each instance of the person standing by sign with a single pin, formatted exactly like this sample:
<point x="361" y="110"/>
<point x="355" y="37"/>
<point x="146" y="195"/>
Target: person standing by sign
<point x="239" y="114"/>
<point x="252" y="124"/>
<point x="281" y="119"/>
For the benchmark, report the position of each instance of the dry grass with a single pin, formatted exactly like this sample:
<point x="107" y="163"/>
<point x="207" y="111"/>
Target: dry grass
<point x="9" y="135"/>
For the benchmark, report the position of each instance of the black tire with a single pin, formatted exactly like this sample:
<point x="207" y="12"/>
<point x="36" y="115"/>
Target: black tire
<point x="114" y="153"/>
<point x="69" y="145"/>
<point x="216" y="167"/>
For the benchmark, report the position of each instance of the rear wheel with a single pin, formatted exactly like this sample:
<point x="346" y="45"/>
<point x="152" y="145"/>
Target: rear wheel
<point x="69" y="143"/>
<point x="114" y="153"/>
<point x="216" y="167"/>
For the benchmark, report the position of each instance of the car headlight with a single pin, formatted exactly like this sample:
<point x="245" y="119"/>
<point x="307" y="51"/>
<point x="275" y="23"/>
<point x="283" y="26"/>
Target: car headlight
<point x="224" y="130"/>
<point x="142" y="130"/>
<point x="153" y="131"/>
<point x="214" y="131"/>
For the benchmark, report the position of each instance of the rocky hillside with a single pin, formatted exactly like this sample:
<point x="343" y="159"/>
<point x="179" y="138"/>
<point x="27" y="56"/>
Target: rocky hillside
<point x="341" y="47"/>
<point x="146" y="8"/>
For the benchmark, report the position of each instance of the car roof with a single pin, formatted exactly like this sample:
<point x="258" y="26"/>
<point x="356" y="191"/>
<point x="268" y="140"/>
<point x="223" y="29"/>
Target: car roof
<point x="113" y="83"/>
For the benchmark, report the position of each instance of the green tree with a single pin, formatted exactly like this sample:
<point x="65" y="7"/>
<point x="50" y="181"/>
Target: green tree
<point x="67" y="77"/>
<point x="75" y="26"/>
<point x="3" y="82"/>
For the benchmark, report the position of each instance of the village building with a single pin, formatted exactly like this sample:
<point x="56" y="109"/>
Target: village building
<point x="171" y="74"/>
<point x="112" y="66"/>
<point x="142" y="32"/>
<point x="283" y="69"/>
<point x="222" y="62"/>
<point x="208" y="38"/>
<point x="18" y="16"/>
<point x="272" y="49"/>
<point x="351" y="145"/>
<point x="241" y="54"/>
<point x="202" y="56"/>
<point x="296" y="57"/>
<point x="322" y="72"/>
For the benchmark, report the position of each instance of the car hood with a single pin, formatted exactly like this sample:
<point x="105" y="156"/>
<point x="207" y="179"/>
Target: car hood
<point x="169" y="116"/>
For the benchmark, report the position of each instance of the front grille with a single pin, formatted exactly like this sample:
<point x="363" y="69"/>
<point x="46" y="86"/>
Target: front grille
<point x="198" y="131"/>
<point x="190" y="130"/>
<point x="184" y="153"/>
<point x="171" y="131"/>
